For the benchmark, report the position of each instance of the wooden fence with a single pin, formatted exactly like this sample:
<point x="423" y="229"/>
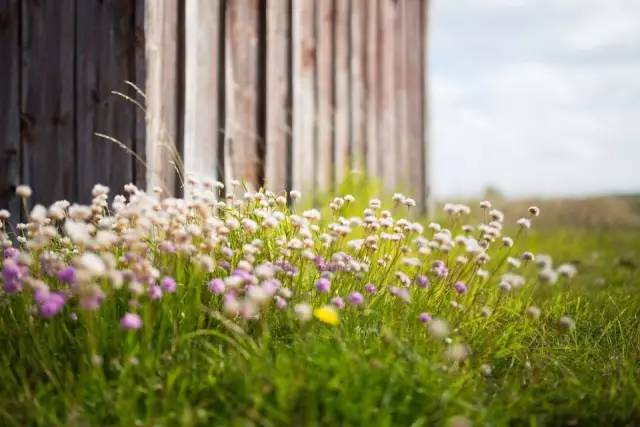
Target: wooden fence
<point x="282" y="93"/>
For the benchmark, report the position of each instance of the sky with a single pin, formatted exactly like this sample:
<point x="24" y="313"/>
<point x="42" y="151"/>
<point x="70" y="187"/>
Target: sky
<point x="535" y="97"/>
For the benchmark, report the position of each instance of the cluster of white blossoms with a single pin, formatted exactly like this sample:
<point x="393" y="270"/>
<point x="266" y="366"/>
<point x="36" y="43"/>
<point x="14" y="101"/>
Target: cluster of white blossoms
<point x="252" y="253"/>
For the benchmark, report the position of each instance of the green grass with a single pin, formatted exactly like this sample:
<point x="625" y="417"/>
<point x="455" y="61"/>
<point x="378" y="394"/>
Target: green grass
<point x="379" y="366"/>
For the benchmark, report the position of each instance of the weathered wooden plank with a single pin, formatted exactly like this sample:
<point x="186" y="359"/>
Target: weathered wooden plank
<point x="373" y="42"/>
<point x="358" y="71"/>
<point x="304" y="59"/>
<point x="414" y="99"/>
<point x="388" y="147"/>
<point x="424" y="50"/>
<point x="401" y="53"/>
<point x="48" y="103"/>
<point x="325" y="95"/>
<point x="342" y="118"/>
<point x="139" y="133"/>
<point x="10" y="112"/>
<point x="105" y="58"/>
<point x="278" y="125"/>
<point x="241" y="126"/>
<point x="161" y="23"/>
<point x="202" y="71"/>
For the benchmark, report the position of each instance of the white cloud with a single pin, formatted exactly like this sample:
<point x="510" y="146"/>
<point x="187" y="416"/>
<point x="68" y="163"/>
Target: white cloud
<point x="536" y="97"/>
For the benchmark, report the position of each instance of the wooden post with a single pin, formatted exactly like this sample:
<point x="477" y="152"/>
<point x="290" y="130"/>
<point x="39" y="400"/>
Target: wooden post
<point x="48" y="107"/>
<point x="358" y="77"/>
<point x="241" y="128"/>
<point x="426" y="167"/>
<point x="161" y="23"/>
<point x="324" y="95"/>
<point x="10" y="112"/>
<point x="202" y="71"/>
<point x="278" y="130"/>
<point x="387" y="137"/>
<point x="342" y="118"/>
<point x="373" y="42"/>
<point x="304" y="93"/>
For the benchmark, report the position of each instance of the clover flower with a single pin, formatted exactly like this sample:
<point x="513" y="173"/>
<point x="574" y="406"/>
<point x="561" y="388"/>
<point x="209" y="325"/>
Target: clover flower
<point x="424" y="317"/>
<point x="168" y="284"/>
<point x="370" y="288"/>
<point x="130" y="322"/>
<point x="51" y="305"/>
<point x="460" y="287"/>
<point x="323" y="285"/>
<point x="216" y="286"/>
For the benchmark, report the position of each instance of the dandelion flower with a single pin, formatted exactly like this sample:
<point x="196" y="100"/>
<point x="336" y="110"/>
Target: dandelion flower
<point x="327" y="314"/>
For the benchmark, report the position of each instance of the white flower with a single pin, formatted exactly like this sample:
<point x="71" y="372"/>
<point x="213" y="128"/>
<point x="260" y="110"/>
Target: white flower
<point x="23" y="191"/>
<point x="438" y="328"/>
<point x="303" y="311"/>
<point x="524" y="223"/>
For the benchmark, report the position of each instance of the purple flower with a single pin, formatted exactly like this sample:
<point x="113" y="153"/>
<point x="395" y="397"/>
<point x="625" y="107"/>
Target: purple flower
<point x="244" y="275"/>
<point x="216" y="286"/>
<point x="155" y="292"/>
<point x="440" y="269"/>
<point x="337" y="302"/>
<point x="131" y="321"/>
<point x="402" y="293"/>
<point x="12" y="276"/>
<point x="224" y="264"/>
<point x="92" y="300"/>
<point x="370" y="288"/>
<point x="167" y="246"/>
<point x="41" y="294"/>
<point x="323" y="285"/>
<point x="424" y="317"/>
<point x="281" y="303"/>
<point x="12" y="253"/>
<point x="67" y="275"/>
<point x="356" y="298"/>
<point x="460" y="287"/>
<point x="168" y="284"/>
<point x="422" y="281"/>
<point x="270" y="286"/>
<point x="52" y="305"/>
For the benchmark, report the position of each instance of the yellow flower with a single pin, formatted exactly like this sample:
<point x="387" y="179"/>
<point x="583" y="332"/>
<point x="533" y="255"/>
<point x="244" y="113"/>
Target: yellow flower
<point x="327" y="314"/>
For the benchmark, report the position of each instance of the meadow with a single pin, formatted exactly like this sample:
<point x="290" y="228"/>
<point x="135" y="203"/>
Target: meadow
<point x="256" y="309"/>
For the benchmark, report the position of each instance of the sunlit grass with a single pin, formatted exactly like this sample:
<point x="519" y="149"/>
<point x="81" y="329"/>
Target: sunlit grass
<point x="437" y="334"/>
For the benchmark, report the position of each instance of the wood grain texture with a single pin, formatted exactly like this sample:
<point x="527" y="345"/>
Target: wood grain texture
<point x="10" y="112"/>
<point x="139" y="132"/>
<point x="342" y="87"/>
<point x="105" y="58"/>
<point x="358" y="77"/>
<point x="401" y="52"/>
<point x="387" y="135"/>
<point x="324" y="95"/>
<point x="202" y="71"/>
<point x="161" y="23"/>
<point x="427" y="200"/>
<point x="414" y="99"/>
<point x="303" y="77"/>
<point x="241" y="128"/>
<point x="49" y="155"/>
<point x="373" y="44"/>
<point x="278" y="124"/>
